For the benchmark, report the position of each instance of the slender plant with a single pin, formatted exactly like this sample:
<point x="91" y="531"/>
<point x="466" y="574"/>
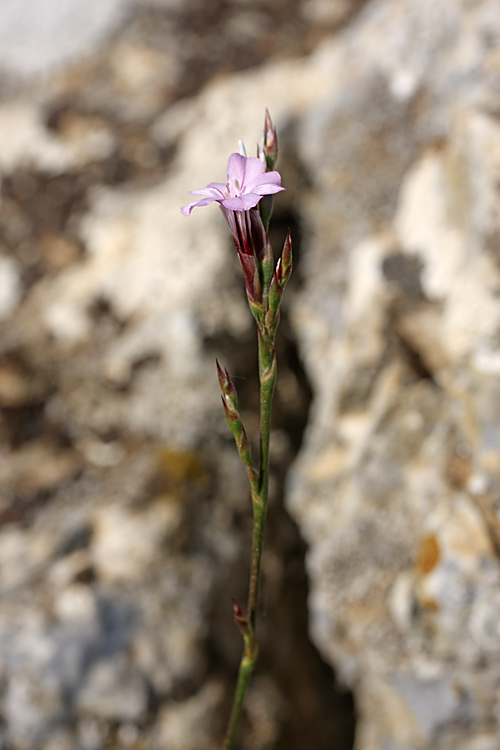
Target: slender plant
<point x="246" y="201"/>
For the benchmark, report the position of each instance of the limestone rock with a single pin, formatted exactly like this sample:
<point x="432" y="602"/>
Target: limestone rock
<point x="35" y="36"/>
<point x="188" y="724"/>
<point x="10" y="288"/>
<point x="114" y="691"/>
<point x="398" y="321"/>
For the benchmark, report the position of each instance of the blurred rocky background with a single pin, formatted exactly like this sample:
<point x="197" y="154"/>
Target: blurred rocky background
<point x="124" y="515"/>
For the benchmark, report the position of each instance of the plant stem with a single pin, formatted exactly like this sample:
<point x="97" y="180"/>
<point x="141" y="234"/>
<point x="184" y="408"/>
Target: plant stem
<point x="247" y="665"/>
<point x="267" y="375"/>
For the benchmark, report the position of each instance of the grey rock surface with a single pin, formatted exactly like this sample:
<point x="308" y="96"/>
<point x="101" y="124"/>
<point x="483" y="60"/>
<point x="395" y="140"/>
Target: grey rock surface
<point x="36" y="35"/>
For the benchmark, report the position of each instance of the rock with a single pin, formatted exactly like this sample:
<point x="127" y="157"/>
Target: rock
<point x="10" y="286"/>
<point x="21" y="557"/>
<point x="40" y="665"/>
<point x="26" y="141"/>
<point x="60" y="739"/>
<point x="189" y="723"/>
<point x="35" y="37"/>
<point x="76" y="603"/>
<point x="38" y="467"/>
<point x="398" y="322"/>
<point x="125" y="544"/>
<point x="324" y="11"/>
<point x="14" y="387"/>
<point x="114" y="691"/>
<point x="265" y="711"/>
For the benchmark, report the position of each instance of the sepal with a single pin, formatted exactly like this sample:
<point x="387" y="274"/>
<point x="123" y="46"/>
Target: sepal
<point x="266" y="205"/>
<point x="252" y="281"/>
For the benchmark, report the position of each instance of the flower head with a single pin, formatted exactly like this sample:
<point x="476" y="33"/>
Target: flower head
<point x="247" y="181"/>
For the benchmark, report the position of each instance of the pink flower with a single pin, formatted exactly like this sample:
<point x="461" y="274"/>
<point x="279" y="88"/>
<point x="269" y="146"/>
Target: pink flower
<point x="247" y="182"/>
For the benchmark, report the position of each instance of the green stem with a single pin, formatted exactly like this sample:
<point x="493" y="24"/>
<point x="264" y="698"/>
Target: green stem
<point x="244" y="673"/>
<point x="267" y="374"/>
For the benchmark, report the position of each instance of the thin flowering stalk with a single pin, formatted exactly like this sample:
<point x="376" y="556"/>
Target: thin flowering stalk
<point x="252" y="182"/>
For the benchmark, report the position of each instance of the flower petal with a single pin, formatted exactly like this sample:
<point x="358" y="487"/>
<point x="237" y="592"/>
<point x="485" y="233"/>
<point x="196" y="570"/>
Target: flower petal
<point x="186" y="210"/>
<point x="214" y="193"/>
<point x="236" y="172"/>
<point x="267" y="178"/>
<point x="242" y="203"/>
<point x="254" y="168"/>
<point x="218" y="186"/>
<point x="266" y="189"/>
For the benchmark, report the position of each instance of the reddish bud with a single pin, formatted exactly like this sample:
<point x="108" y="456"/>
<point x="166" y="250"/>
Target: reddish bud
<point x="269" y="131"/>
<point x="239" y="616"/>
<point x="229" y="395"/>
<point x="238" y="612"/>
<point x="225" y="382"/>
<point x="270" y="142"/>
<point x="287" y="257"/>
<point x="220" y="376"/>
